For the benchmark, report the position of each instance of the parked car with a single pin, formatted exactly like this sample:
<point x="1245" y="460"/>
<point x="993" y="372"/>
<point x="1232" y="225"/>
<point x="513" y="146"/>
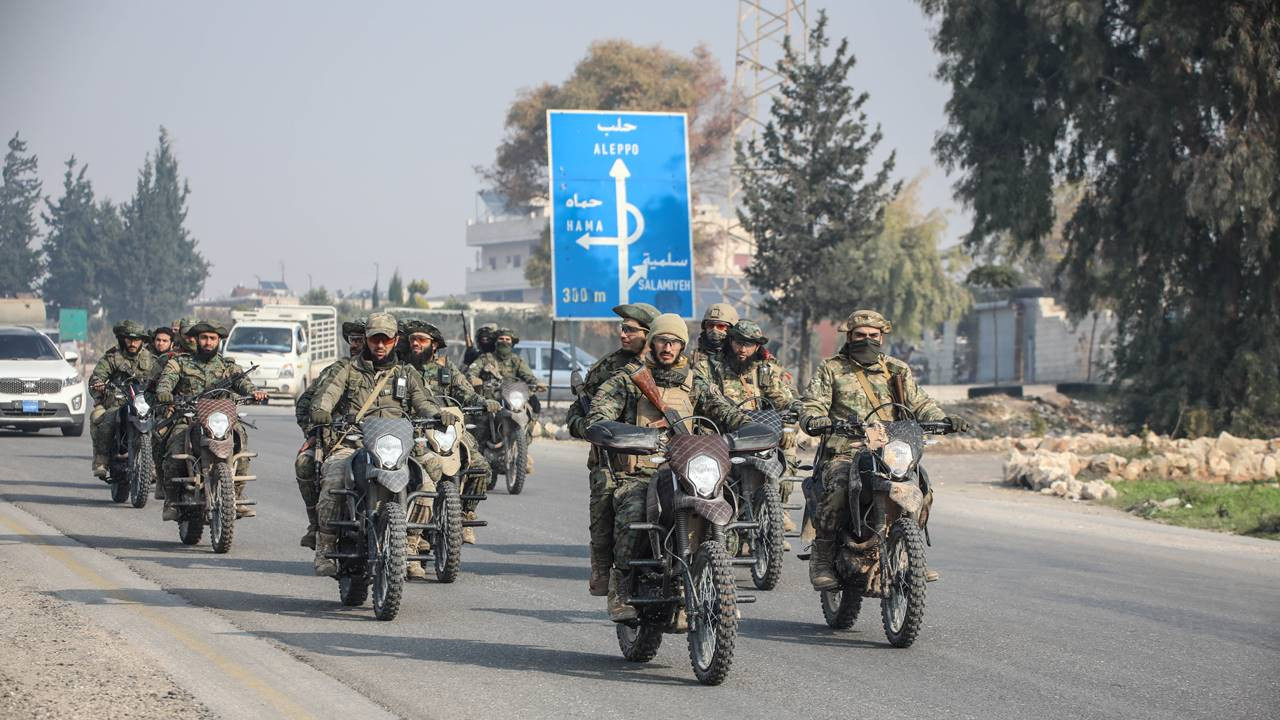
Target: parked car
<point x="538" y="354"/>
<point x="39" y="384"/>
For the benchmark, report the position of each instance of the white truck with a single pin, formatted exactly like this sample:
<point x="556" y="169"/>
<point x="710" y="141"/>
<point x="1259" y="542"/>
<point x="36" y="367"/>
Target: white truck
<point x="290" y="344"/>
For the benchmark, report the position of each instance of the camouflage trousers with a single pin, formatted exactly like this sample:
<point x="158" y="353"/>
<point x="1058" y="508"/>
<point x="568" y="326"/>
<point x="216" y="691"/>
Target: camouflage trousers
<point x="333" y="475"/>
<point x="600" y="514"/>
<point x="629" y="498"/>
<point x="304" y="469"/>
<point x="420" y="510"/>
<point x="176" y="444"/>
<point x="833" y="513"/>
<point x="103" y="424"/>
<point x="478" y="485"/>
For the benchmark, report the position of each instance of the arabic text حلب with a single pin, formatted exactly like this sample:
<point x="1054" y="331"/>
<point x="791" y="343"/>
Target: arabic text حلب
<point x="616" y="149"/>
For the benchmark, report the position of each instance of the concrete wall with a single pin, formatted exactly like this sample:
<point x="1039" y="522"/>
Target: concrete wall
<point x="1054" y="349"/>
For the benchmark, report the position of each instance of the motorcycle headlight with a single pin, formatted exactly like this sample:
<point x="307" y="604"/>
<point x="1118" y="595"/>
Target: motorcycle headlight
<point x="388" y="449"/>
<point x="897" y="455"/>
<point x="703" y="473"/>
<point x="286" y="371"/>
<point x="140" y="404"/>
<point x="218" y="424"/>
<point x="445" y="440"/>
<point x="515" y="399"/>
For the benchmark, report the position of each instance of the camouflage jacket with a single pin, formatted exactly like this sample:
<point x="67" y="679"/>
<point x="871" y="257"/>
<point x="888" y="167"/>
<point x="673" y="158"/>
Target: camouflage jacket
<point x="440" y="376"/>
<point x="488" y="371"/>
<point x="618" y="398"/>
<point x="116" y="366"/>
<point x="603" y="369"/>
<point x="344" y="392"/>
<point x="762" y="377"/>
<point x="836" y="392"/>
<point x="302" y="407"/>
<point x="185" y="376"/>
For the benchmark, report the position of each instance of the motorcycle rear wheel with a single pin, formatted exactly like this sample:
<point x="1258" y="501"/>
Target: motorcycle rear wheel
<point x="119" y="488"/>
<point x="353" y="590"/>
<point x="190" y="527"/>
<point x="713" y="625"/>
<point x="767" y="547"/>
<point x="840" y="608"/>
<point x="222" y="511"/>
<point x="640" y="642"/>
<point x="447" y="548"/>
<point x="517" y="461"/>
<point x="902" y="609"/>
<point x="142" y="472"/>
<point x="387" y="552"/>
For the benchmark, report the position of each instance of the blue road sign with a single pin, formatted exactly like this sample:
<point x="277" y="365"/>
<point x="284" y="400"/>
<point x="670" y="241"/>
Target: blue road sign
<point x="620" y="228"/>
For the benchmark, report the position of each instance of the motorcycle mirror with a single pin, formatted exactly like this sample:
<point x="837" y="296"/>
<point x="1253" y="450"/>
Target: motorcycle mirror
<point x="737" y="460"/>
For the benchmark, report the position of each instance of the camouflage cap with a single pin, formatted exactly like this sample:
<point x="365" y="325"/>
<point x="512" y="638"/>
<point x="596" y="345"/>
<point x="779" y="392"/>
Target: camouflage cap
<point x="381" y="323"/>
<point x="130" y="329"/>
<point x="866" y="318"/>
<point x="643" y="313"/>
<point x="721" y="312"/>
<point x="412" y="325"/>
<point x="205" y="326"/>
<point x="747" y="331"/>
<point x="669" y="324"/>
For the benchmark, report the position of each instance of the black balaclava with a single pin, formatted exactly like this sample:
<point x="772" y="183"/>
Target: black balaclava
<point x="864" y="351"/>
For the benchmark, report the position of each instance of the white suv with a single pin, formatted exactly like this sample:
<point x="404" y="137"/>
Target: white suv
<point x="39" y="385"/>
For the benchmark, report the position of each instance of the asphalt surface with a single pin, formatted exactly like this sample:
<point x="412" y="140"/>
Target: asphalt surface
<point x="1046" y="609"/>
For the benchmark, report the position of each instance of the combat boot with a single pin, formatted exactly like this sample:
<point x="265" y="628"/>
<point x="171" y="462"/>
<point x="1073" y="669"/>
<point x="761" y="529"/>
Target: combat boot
<point x="528" y="464"/>
<point x="100" y="466"/>
<point x="807" y="533"/>
<point x="619" y="610"/>
<point x="325" y="567"/>
<point x="788" y="525"/>
<point x="469" y="533"/>
<point x="414" y="569"/>
<point x="313" y="522"/>
<point x="931" y="575"/>
<point x="598" y="585"/>
<point x="821" y="574"/>
<point x="160" y="489"/>
<point x="243" y="511"/>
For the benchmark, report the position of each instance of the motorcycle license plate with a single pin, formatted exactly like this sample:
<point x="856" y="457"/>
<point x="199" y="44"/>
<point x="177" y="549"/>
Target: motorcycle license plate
<point x="31" y="407"/>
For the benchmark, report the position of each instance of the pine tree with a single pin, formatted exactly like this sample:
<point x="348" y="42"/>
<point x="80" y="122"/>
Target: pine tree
<point x="395" y="290"/>
<point x="808" y="200"/>
<point x="156" y="269"/>
<point x="19" y="196"/>
<point x="76" y="249"/>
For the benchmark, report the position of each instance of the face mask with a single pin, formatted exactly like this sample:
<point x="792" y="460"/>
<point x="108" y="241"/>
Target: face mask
<point x="503" y="350"/>
<point x="714" y="338"/>
<point x="864" y="351"/>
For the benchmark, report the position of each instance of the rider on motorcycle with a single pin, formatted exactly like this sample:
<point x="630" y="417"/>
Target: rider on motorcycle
<point x="304" y="465"/>
<point x="189" y="375"/>
<point x="162" y="345"/>
<point x="491" y="368"/>
<point x="716" y="322"/>
<point x="128" y="360"/>
<point x="372" y="385"/>
<point x="620" y="399"/>
<point x="484" y="344"/>
<point x="850" y="385"/>
<point x="632" y="334"/>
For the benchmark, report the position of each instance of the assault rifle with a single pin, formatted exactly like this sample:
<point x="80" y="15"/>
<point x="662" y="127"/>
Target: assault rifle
<point x="648" y="387"/>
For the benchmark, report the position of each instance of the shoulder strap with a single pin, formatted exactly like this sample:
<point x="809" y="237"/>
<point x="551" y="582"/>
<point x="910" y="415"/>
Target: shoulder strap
<point x="373" y="396"/>
<point x="885" y="414"/>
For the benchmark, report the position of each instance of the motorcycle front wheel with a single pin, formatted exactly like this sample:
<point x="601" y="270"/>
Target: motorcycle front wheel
<point x="517" y="460"/>
<point x="222" y="511"/>
<point x="387" y="552"/>
<point x="142" y="471"/>
<point x="767" y="546"/>
<point x="902" y="609"/>
<point x="713" y="624"/>
<point x="447" y="546"/>
<point x="639" y="642"/>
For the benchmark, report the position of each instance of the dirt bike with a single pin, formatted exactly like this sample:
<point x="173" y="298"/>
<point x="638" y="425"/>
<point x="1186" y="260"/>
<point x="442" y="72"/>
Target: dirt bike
<point x="214" y="446"/>
<point x="881" y="550"/>
<point x="444" y="529"/>
<point x="681" y="579"/>
<point x="371" y="525"/>
<point x="754" y="486"/>
<point x="506" y="440"/>
<point x="132" y="466"/>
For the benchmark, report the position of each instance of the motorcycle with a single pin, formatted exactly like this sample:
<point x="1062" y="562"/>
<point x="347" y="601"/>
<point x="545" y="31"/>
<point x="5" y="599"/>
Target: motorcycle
<point x="132" y="468"/>
<point x="681" y="580"/>
<point x="880" y="553"/>
<point x="382" y="480"/>
<point x="207" y="494"/>
<point x="506" y="444"/>
<point x="754" y="486"/>
<point x="444" y="530"/>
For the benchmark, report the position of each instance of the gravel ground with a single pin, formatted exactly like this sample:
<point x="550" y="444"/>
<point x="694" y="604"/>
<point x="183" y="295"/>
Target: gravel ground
<point x="54" y="663"/>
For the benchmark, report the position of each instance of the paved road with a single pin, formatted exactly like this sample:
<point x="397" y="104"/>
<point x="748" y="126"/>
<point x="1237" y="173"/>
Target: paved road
<point x="1046" y="609"/>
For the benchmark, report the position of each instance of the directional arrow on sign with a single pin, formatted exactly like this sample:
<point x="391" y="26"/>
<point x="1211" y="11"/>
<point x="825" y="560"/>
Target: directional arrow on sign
<point x="623" y="239"/>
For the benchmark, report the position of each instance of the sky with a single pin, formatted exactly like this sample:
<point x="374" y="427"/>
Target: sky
<point x="335" y="136"/>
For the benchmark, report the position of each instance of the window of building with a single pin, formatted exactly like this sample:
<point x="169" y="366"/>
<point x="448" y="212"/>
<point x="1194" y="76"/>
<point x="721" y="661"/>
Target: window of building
<point x="493" y="263"/>
<point x="517" y="261"/>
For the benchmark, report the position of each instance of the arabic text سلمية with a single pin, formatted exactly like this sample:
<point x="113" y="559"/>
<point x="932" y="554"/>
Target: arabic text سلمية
<point x="616" y="149"/>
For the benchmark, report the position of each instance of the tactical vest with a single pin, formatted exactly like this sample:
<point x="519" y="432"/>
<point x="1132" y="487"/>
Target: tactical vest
<point x="678" y="398"/>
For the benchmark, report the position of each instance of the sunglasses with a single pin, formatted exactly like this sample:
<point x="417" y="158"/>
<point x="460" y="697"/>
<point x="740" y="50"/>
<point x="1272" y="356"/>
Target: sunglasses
<point x="626" y="329"/>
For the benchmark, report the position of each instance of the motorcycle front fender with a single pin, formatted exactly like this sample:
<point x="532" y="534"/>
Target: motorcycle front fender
<point x="907" y="495"/>
<point x="394" y="481"/>
<point x="520" y="419"/>
<point x="220" y="449"/>
<point x="143" y="425"/>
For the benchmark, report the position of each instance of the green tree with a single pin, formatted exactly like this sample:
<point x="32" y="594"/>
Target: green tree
<point x="810" y="201"/>
<point x="614" y="75"/>
<point x="19" y="196"/>
<point x="317" y="296"/>
<point x="395" y="290"/>
<point x="76" y="249"/>
<point x="156" y="269"/>
<point x="375" y="294"/>
<point x="1168" y="115"/>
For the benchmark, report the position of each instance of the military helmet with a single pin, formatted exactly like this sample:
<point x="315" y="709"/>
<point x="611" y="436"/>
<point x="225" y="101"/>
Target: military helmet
<point x="486" y="329"/>
<point x="720" y="312"/>
<point x="130" y="329"/>
<point x="747" y="331"/>
<point x="866" y="318"/>
<point x="643" y="313"/>
<point x="354" y="327"/>
<point x="381" y="323"/>
<point x="205" y="326"/>
<point x="436" y="336"/>
<point x="413" y="325"/>
<point x="515" y="339"/>
<point x="669" y="324"/>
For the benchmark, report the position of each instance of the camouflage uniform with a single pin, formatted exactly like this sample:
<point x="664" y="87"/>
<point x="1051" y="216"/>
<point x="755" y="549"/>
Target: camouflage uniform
<point x="304" y="465"/>
<point x="707" y="354"/>
<point x="186" y="376"/>
<point x="440" y="376"/>
<point x="489" y="370"/>
<point x="116" y="366"/>
<point x="600" y="504"/>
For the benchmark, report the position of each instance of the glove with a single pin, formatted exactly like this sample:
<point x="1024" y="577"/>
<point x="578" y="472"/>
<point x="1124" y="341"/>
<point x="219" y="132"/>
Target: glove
<point x="817" y="425"/>
<point x="492" y="406"/>
<point x="957" y="423"/>
<point x="320" y="417"/>
<point x="164" y="398"/>
<point x="796" y="407"/>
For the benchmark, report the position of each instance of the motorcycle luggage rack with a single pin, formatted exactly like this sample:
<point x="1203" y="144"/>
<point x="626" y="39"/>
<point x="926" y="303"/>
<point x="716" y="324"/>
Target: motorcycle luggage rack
<point x="470" y="496"/>
<point x="475" y="523"/>
<point x="246" y="502"/>
<point x="653" y="601"/>
<point x="742" y="562"/>
<point x="741" y="525"/>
